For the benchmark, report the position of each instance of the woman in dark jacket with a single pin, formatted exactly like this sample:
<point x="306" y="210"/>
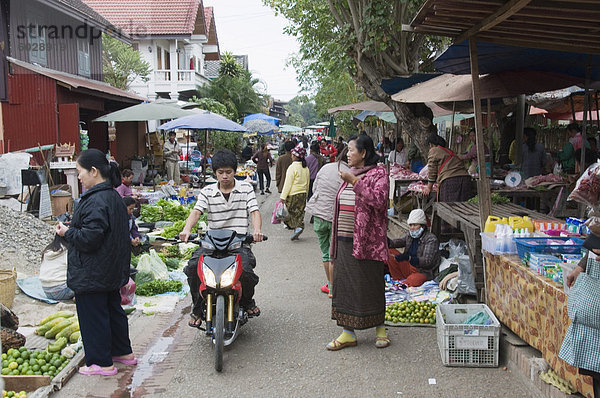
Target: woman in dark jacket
<point x="263" y="160"/>
<point x="98" y="264"/>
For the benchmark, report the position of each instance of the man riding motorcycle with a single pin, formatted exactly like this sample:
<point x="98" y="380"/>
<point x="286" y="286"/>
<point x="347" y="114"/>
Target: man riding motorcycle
<point x="227" y="205"/>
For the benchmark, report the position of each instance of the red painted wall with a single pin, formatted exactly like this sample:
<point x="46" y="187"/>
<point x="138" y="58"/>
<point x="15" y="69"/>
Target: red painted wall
<point x="30" y="115"/>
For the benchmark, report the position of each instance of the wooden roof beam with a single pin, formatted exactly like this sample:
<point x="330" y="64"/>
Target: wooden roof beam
<point x="548" y="45"/>
<point x="501" y="14"/>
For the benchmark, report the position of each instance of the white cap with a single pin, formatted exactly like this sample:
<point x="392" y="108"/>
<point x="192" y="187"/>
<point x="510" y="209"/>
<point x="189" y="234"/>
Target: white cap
<point x="417" y="216"/>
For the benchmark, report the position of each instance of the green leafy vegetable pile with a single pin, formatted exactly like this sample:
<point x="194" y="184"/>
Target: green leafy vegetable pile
<point x="158" y="287"/>
<point x="174" y="230"/>
<point x="167" y="210"/>
<point x="497" y="199"/>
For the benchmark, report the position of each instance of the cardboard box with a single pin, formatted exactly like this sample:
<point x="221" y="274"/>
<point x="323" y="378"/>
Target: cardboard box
<point x="25" y="383"/>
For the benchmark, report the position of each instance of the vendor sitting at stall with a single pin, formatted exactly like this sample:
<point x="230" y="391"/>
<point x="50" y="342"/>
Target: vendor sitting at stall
<point x="53" y="270"/>
<point x="421" y="258"/>
<point x="137" y="240"/>
<point x="471" y="154"/>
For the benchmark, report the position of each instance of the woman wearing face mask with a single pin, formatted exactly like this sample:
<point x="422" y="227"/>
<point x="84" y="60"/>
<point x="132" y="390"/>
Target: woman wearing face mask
<point x="421" y="258"/>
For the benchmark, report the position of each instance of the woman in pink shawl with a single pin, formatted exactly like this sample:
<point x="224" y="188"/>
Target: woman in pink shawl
<point x="359" y="246"/>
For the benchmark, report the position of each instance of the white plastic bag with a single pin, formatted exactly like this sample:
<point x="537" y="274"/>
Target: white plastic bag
<point x="466" y="279"/>
<point x="150" y="267"/>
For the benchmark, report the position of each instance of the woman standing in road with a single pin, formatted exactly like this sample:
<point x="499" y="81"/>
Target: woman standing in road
<point x="263" y="161"/>
<point x="98" y="265"/>
<point x="295" y="190"/>
<point x="359" y="246"/>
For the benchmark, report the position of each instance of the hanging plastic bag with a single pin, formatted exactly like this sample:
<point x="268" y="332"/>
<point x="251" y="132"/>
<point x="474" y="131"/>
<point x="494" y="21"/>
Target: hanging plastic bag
<point x="128" y="293"/>
<point x="587" y="190"/>
<point x="150" y="267"/>
<point x="456" y="248"/>
<point x="281" y="211"/>
<point x="274" y="219"/>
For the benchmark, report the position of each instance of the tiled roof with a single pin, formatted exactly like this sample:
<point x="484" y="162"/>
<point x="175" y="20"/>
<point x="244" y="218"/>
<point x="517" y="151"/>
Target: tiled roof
<point x="211" y="69"/>
<point x="84" y="9"/>
<point x="208" y="16"/>
<point x="149" y="17"/>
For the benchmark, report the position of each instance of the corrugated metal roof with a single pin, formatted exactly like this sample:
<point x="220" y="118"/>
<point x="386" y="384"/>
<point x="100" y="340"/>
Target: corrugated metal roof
<point x="77" y="82"/>
<point x="551" y="24"/>
<point x="149" y="17"/>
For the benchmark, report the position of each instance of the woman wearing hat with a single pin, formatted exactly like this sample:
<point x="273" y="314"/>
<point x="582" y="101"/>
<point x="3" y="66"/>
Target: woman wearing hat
<point x="581" y="346"/>
<point x="295" y="190"/>
<point x="421" y="258"/>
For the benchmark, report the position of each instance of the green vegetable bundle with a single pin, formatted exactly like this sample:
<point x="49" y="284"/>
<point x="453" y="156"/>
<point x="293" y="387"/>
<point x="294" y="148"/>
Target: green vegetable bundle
<point x="497" y="199"/>
<point x="174" y="230"/>
<point x="167" y="210"/>
<point x="158" y="287"/>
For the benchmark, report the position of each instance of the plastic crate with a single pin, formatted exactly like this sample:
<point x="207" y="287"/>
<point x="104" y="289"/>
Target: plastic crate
<point x="496" y="246"/>
<point x="548" y="245"/>
<point x="466" y="345"/>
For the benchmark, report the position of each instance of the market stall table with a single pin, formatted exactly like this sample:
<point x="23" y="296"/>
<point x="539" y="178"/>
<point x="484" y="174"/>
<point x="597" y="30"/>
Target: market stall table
<point x="464" y="216"/>
<point x="533" y="307"/>
<point x="544" y="199"/>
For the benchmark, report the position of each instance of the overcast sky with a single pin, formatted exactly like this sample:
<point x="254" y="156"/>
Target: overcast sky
<point x="249" y="27"/>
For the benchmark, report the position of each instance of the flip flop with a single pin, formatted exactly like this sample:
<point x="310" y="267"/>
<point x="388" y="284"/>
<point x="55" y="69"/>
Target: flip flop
<point x="195" y="322"/>
<point x="253" y="312"/>
<point x="132" y="361"/>
<point x="97" y="370"/>
<point x="382" y="342"/>
<point x="336" y="345"/>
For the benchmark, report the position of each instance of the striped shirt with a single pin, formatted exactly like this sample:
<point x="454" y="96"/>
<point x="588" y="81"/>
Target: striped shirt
<point x="228" y="214"/>
<point x="347" y="200"/>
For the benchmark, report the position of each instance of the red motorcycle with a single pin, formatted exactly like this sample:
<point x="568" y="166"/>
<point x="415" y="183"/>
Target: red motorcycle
<point x="219" y="269"/>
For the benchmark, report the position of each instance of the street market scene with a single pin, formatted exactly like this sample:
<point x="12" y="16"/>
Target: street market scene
<point x="299" y="198"/>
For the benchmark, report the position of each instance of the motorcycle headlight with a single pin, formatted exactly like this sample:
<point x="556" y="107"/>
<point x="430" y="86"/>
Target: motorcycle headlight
<point x="207" y="245"/>
<point x="235" y="245"/>
<point x="227" y="277"/>
<point x="209" y="276"/>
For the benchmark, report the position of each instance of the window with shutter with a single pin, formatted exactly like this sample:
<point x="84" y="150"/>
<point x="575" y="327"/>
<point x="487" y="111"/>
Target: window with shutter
<point x="83" y="58"/>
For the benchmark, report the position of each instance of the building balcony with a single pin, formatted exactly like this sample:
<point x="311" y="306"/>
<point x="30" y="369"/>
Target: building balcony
<point x="170" y="81"/>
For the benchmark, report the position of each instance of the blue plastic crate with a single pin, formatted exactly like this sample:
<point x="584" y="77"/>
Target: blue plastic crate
<point x="548" y="245"/>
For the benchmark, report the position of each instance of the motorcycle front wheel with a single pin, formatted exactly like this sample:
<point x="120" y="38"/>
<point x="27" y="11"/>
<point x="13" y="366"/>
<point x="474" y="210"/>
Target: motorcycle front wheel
<point x="219" y="332"/>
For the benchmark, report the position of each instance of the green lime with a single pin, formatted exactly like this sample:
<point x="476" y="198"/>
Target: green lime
<point x="15" y="372"/>
<point x="25" y="355"/>
<point x="5" y="363"/>
<point x="13" y="365"/>
<point x="5" y="371"/>
<point x="4" y="355"/>
<point x="41" y="362"/>
<point x="29" y="372"/>
<point x="21" y="349"/>
<point x="32" y="361"/>
<point x="19" y="361"/>
<point x="52" y="368"/>
<point x="35" y="367"/>
<point x="44" y="368"/>
<point x="37" y="372"/>
<point x="16" y="354"/>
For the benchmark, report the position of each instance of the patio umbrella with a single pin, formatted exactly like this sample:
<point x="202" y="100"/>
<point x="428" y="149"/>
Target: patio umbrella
<point x="203" y="121"/>
<point x="262" y="116"/>
<point x="331" y="128"/>
<point x="144" y="112"/>
<point x="260" y="126"/>
<point x="287" y="128"/>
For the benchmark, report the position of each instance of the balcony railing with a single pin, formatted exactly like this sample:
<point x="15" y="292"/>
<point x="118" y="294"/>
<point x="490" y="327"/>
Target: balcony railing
<point x="182" y="75"/>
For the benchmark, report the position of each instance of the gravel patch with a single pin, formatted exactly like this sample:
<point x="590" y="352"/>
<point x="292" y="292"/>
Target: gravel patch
<point x="23" y="237"/>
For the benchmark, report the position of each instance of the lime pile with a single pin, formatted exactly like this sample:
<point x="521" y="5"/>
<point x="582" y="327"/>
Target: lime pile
<point x="25" y="362"/>
<point x="14" y="394"/>
<point x="411" y="312"/>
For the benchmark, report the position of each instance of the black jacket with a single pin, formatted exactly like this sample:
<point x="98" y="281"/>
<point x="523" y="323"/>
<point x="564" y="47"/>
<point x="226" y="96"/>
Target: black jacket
<point x="99" y="245"/>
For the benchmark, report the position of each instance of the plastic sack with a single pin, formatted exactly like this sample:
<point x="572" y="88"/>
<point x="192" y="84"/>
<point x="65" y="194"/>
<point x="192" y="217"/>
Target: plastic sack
<point x="587" y="190"/>
<point x="457" y="247"/>
<point x="274" y="219"/>
<point x="593" y="221"/>
<point x="281" y="212"/>
<point x="150" y="267"/>
<point x="424" y="173"/>
<point x="466" y="279"/>
<point x="128" y="292"/>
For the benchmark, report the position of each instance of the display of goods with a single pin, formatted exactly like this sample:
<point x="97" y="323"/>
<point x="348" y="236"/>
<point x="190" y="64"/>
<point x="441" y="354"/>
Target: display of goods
<point x="61" y="324"/>
<point x="11" y="339"/>
<point x="174" y="230"/>
<point x="548" y="178"/>
<point x="401" y="173"/>
<point x="419" y="187"/>
<point x="497" y="199"/>
<point x="14" y="394"/>
<point x="165" y="210"/>
<point x="24" y="362"/>
<point x="411" y="312"/>
<point x="587" y="190"/>
<point x="157" y="286"/>
<point x="244" y="172"/>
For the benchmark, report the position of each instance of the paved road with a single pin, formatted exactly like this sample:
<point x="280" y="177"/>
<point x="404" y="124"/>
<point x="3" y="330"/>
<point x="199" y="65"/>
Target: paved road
<point x="282" y="353"/>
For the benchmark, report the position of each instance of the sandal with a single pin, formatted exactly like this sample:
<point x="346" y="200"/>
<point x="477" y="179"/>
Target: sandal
<point x="336" y="345"/>
<point x="97" y="370"/>
<point x="131" y="361"/>
<point x="382" y="342"/>
<point x="195" y="322"/>
<point x="252" y="312"/>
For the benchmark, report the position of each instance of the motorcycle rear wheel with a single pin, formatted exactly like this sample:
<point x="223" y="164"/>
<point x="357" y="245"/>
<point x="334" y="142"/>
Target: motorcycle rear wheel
<point x="219" y="332"/>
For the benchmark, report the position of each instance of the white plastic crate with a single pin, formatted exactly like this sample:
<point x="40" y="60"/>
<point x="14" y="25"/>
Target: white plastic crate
<point x="466" y="345"/>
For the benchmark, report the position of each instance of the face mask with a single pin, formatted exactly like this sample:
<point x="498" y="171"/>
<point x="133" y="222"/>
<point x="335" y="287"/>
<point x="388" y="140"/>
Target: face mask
<point x="417" y="233"/>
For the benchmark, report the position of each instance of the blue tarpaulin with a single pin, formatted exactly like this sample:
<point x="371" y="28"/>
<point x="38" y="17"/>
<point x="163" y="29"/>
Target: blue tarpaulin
<point x="494" y="58"/>
<point x="392" y="86"/>
<point x="262" y="116"/>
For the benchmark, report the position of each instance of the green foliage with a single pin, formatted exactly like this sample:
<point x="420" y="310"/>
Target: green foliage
<point x="121" y="64"/>
<point x="235" y="89"/>
<point x="226" y="140"/>
<point x="302" y="111"/>
<point x="158" y="286"/>
<point x="228" y="66"/>
<point x="214" y="106"/>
